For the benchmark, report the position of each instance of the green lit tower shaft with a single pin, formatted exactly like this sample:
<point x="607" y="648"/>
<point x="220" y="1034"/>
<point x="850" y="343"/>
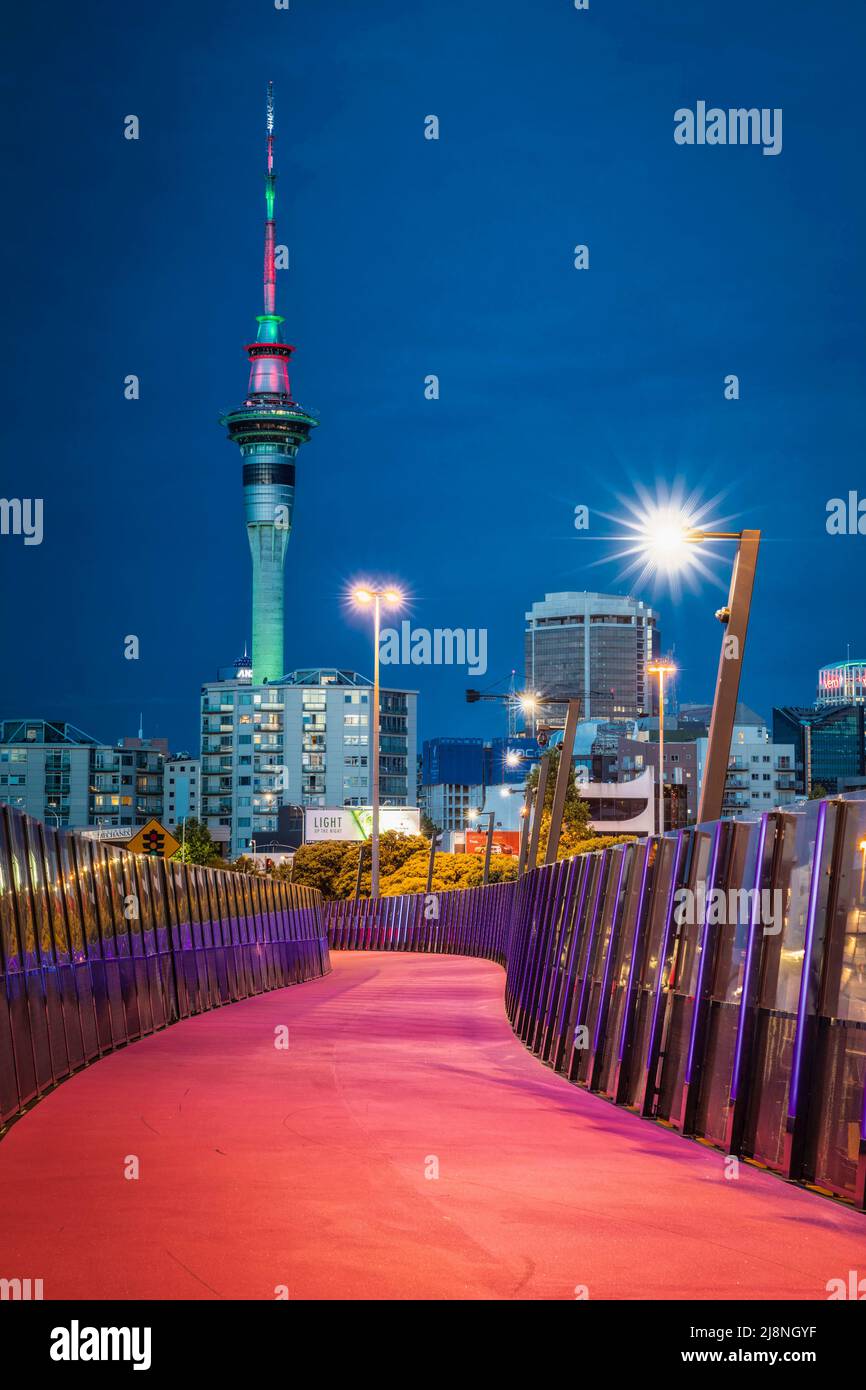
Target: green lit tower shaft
<point x="269" y="428"/>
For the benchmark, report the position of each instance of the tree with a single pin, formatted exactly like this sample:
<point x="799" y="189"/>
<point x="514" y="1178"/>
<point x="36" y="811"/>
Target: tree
<point x="394" y="851"/>
<point x="196" y="847"/>
<point x="319" y="865"/>
<point x="818" y="791"/>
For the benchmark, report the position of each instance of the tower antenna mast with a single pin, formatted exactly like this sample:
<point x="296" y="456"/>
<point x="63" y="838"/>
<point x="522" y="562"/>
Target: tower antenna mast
<point x="270" y="223"/>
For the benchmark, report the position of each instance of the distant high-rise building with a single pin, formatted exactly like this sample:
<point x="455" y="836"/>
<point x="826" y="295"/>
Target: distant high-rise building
<point x="302" y="741"/>
<point x="828" y="744"/>
<point x="595" y="648"/>
<point x="269" y="428"/>
<point x="842" y="683"/>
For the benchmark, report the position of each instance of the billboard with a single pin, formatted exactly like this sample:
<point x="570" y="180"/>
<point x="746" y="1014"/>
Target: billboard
<point x="356" y="822"/>
<point x="504" y="842"/>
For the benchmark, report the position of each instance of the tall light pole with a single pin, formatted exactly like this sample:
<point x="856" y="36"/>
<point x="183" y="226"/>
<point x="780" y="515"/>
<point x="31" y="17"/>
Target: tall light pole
<point x="661" y="669"/>
<point x="665" y="541"/>
<point x="735" y="617"/>
<point x="365" y="595"/>
<point x="475" y="815"/>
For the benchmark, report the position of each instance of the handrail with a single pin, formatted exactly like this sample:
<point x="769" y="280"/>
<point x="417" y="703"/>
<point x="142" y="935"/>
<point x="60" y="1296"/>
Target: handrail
<point x="100" y="947"/>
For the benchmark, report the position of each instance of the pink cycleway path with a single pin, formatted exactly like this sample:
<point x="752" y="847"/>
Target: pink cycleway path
<point x="307" y="1167"/>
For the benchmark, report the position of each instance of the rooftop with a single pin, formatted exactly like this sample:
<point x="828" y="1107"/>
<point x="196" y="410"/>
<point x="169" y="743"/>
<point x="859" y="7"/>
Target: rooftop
<point x="45" y="731"/>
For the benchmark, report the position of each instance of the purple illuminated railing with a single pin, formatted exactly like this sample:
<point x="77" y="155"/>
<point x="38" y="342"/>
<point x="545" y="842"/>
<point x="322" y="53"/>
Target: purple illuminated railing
<point x="545" y="931"/>
<point x="100" y="948"/>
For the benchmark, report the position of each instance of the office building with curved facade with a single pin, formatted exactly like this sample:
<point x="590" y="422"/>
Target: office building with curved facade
<point x="595" y="648"/>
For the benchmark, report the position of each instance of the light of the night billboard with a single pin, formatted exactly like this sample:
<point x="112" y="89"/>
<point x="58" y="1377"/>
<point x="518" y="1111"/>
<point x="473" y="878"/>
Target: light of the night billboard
<point x="356" y="822"/>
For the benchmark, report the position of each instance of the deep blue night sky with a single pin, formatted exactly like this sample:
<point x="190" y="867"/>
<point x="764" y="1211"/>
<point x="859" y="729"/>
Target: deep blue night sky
<point x="412" y="257"/>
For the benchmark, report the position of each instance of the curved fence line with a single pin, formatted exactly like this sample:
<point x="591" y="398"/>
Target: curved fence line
<point x="713" y="980"/>
<point x="468" y="922"/>
<point x="100" y="947"/>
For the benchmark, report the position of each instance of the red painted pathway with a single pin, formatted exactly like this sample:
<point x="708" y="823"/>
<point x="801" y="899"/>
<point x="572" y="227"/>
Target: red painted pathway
<point x="306" y="1168"/>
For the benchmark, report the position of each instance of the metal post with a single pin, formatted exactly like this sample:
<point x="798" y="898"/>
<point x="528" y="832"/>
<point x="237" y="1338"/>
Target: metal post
<point x="661" y="750"/>
<point x="524" y="830"/>
<point x="736" y="621"/>
<point x="431" y="862"/>
<point x="562" y="777"/>
<point x="360" y="870"/>
<point x="538" y="812"/>
<point x="489" y="848"/>
<point x="374" y="839"/>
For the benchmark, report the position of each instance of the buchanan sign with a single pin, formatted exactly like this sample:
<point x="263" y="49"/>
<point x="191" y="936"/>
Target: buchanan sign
<point x="356" y="822"/>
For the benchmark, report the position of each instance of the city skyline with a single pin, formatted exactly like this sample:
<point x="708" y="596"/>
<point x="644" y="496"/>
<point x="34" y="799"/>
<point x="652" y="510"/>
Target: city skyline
<point x="562" y="392"/>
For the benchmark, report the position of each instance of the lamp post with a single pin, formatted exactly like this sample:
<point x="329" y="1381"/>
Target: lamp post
<point x="665" y="541"/>
<point x="526" y="814"/>
<point x="365" y="595"/>
<point x="529" y="705"/>
<point x="661" y="669"/>
<point x="735" y="617"/>
<point x="563" y="774"/>
<point x="491" y="815"/>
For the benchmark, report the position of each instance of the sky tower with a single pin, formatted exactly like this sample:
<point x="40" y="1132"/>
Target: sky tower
<point x="268" y="429"/>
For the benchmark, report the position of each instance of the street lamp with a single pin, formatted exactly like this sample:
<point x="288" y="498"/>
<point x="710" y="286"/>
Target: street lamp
<point x="666" y="540"/>
<point x="365" y="595"/>
<point x="529" y="705"/>
<point x="474" y="814"/>
<point x="661" y="669"/>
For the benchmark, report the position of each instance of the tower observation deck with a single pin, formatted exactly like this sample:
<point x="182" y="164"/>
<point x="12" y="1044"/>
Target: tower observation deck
<point x="269" y="428"/>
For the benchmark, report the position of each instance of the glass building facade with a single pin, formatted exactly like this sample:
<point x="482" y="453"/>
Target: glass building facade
<point x="592" y="647"/>
<point x="828" y="744"/>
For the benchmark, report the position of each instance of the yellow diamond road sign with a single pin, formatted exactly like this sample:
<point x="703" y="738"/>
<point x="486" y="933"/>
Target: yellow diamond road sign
<point x="154" y="839"/>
